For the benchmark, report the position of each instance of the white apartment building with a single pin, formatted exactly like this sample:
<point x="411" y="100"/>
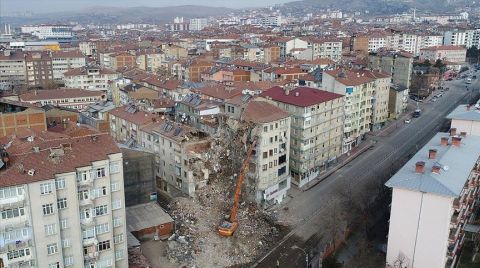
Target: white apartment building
<point x="456" y="54"/>
<point x="49" y="31"/>
<point x="90" y="78"/>
<point x="433" y="198"/>
<point x="316" y="128"/>
<point x="366" y="101"/>
<point x="62" y="203"/>
<point x="287" y="44"/>
<point x="462" y="37"/>
<point x="325" y="48"/>
<point x="62" y="61"/>
<point x="88" y="48"/>
<point x="271" y="174"/>
<point x="198" y="24"/>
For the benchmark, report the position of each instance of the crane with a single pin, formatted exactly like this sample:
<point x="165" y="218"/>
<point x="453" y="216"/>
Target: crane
<point x="228" y="227"/>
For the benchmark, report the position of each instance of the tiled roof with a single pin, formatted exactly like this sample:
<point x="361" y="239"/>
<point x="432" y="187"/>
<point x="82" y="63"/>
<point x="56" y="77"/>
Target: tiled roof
<point x="263" y="112"/>
<point x="67" y="54"/>
<point x="138" y="118"/>
<point x="300" y="96"/>
<point x="450" y="47"/>
<point x="77" y="152"/>
<point x="63" y="93"/>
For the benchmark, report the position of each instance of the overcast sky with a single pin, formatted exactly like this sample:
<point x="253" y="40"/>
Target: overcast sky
<point x="42" y="6"/>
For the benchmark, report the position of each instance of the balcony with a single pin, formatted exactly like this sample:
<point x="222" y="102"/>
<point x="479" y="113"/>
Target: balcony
<point x="90" y="241"/>
<point x="85" y="182"/>
<point x="12" y="201"/>
<point x="86" y="202"/>
<point x="87" y="221"/>
<point x="17" y="262"/>
<point x="91" y="256"/>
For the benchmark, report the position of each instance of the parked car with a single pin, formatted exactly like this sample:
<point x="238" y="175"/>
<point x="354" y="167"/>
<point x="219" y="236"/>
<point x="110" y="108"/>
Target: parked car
<point x="407" y="121"/>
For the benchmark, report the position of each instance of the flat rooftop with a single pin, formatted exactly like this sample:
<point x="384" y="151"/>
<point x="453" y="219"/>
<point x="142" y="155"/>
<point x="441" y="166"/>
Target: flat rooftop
<point x="144" y="216"/>
<point x="466" y="112"/>
<point x="456" y="164"/>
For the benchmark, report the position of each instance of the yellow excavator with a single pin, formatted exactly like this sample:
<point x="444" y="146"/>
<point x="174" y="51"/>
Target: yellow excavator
<point x="228" y="227"/>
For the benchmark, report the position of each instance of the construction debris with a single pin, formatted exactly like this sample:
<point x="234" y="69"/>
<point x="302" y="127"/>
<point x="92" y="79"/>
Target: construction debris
<point x="196" y="242"/>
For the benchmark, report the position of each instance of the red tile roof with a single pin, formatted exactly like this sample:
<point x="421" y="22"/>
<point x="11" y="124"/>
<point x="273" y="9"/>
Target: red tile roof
<point x="138" y="118"/>
<point x="300" y="96"/>
<point x="77" y="152"/>
<point x="263" y="112"/>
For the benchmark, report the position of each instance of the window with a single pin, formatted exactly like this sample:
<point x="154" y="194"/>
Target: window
<point x="102" y="228"/>
<point x="100" y="173"/>
<point x="98" y="192"/>
<point x="52" y="248"/>
<point x="264" y="167"/>
<point x="265" y="155"/>
<point x="104" y="245"/>
<point x="68" y="261"/>
<point x="117" y="222"/>
<point x="100" y="210"/>
<point x="118" y="238"/>
<point x="47" y="209"/>
<point x="115" y="186"/>
<point x="54" y="265"/>
<point x="64" y="223"/>
<point x="50" y="229"/>
<point x="45" y="188"/>
<point x="114" y="168"/>
<point x="13" y="213"/>
<point x="118" y="255"/>
<point x="10" y="192"/>
<point x="62" y="203"/>
<point x="14" y="254"/>
<point x="60" y="183"/>
<point x="116" y="204"/>
<point x="66" y="243"/>
<point x="88" y="233"/>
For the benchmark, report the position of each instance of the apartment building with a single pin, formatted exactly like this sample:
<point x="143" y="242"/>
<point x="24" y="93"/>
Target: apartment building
<point x="63" y="61"/>
<point x="90" y="78"/>
<point x="287" y="44"/>
<point x="455" y="54"/>
<point x="398" y="64"/>
<point x="178" y="155"/>
<point x="269" y="170"/>
<point x="72" y="98"/>
<point x="125" y="124"/>
<point x="316" y="128"/>
<point x="46" y="31"/>
<point x="434" y="196"/>
<point x="117" y="60"/>
<point x="366" y="101"/>
<point x="198" y="24"/>
<point x="63" y="202"/>
<point x="88" y="49"/>
<point x="150" y="61"/>
<point x="12" y="69"/>
<point x="39" y="69"/>
<point x="325" y="48"/>
<point x="271" y="54"/>
<point x="461" y="37"/>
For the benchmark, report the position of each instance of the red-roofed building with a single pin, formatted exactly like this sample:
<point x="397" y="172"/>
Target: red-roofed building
<point x="317" y="128"/>
<point x="72" y="98"/>
<point x="91" y="78"/>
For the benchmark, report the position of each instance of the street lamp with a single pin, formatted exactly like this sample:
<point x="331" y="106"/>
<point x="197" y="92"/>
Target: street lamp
<point x="306" y="255"/>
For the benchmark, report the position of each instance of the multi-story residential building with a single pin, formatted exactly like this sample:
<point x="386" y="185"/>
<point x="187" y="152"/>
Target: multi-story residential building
<point x="63" y="61"/>
<point x="151" y="60"/>
<point x="270" y="172"/>
<point x="398" y="64"/>
<point x="175" y="156"/>
<point x="125" y="124"/>
<point x="316" y="128"/>
<point x="39" y="69"/>
<point x="199" y="113"/>
<point x="88" y="49"/>
<point x="271" y="54"/>
<point x="325" y="48"/>
<point x="433" y="198"/>
<point x="287" y="44"/>
<point x="12" y="69"/>
<point x="90" y="78"/>
<point x="455" y="54"/>
<point x="63" y="204"/>
<point x="72" y="98"/>
<point x="198" y="24"/>
<point x="49" y="31"/>
<point x="461" y="37"/>
<point x="117" y="60"/>
<point x="398" y="100"/>
<point x="366" y="101"/>
<point x="428" y="40"/>
<point x="17" y="116"/>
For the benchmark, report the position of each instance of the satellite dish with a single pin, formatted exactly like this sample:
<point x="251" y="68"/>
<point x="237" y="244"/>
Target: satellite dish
<point x="445" y="168"/>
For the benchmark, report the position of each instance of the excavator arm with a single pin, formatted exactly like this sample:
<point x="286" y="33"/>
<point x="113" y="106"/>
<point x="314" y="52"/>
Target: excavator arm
<point x="227" y="228"/>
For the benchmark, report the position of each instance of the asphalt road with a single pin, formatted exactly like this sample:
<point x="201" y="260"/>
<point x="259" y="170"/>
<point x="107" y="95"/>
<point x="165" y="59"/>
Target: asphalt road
<point x="309" y="208"/>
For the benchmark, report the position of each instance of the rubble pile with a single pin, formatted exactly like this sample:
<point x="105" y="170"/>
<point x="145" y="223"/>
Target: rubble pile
<point x="137" y="259"/>
<point x="196" y="242"/>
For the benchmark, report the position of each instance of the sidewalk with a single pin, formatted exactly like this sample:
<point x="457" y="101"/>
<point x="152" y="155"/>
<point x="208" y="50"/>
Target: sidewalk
<point x="342" y="161"/>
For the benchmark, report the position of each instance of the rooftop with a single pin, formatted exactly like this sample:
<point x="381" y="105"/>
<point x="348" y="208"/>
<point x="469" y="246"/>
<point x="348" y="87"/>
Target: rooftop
<point x="63" y="93"/>
<point x="144" y="216"/>
<point x="455" y="164"/>
<point x="300" y="96"/>
<point x="263" y="112"/>
<point x="466" y="112"/>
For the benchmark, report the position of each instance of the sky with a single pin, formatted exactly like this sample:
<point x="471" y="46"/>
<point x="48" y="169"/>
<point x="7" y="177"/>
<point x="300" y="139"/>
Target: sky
<point x="43" y="6"/>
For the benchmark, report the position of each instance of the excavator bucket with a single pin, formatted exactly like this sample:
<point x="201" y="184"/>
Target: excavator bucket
<point x="227" y="228"/>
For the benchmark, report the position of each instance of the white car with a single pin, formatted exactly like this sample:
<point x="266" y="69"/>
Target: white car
<point x="407" y="121"/>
